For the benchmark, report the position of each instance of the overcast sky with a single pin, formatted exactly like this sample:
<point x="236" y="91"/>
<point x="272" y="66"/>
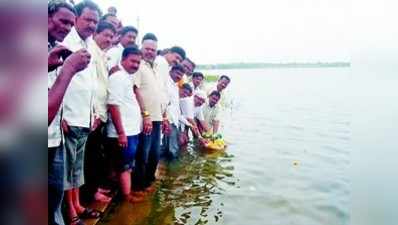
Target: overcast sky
<point x="244" y="31"/>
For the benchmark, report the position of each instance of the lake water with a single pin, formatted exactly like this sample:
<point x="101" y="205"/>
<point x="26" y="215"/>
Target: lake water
<point x="289" y="135"/>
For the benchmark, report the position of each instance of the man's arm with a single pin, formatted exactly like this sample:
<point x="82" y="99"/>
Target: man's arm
<point x="57" y="92"/>
<point x="147" y="122"/>
<point x="194" y="127"/>
<point x="115" y="93"/>
<point x="216" y="124"/>
<point x="204" y="125"/>
<point x="73" y="64"/>
<point x="166" y="128"/>
<point x="117" y="121"/>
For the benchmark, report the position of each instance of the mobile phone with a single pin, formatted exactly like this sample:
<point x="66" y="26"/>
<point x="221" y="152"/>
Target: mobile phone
<point x="65" y="54"/>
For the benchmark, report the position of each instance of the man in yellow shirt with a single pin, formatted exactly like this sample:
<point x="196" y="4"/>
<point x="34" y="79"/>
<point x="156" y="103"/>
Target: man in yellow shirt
<point x="150" y="86"/>
<point x="211" y="112"/>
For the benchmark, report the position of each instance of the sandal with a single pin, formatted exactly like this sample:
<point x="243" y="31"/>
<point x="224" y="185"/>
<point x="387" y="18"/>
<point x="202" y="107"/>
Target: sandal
<point x="76" y="221"/>
<point x="90" y="214"/>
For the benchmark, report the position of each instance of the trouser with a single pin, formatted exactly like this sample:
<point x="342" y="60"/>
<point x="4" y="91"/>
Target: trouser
<point x="96" y="163"/>
<point x="147" y="158"/>
<point x="55" y="185"/>
<point x="171" y="147"/>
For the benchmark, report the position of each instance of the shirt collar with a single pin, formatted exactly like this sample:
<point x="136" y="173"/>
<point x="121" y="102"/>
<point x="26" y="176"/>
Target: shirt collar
<point x="171" y="81"/>
<point x="76" y="37"/>
<point x="122" y="69"/>
<point x="98" y="49"/>
<point x="155" y="64"/>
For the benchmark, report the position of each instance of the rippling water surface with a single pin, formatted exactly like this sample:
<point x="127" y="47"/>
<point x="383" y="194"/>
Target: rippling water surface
<point x="289" y="136"/>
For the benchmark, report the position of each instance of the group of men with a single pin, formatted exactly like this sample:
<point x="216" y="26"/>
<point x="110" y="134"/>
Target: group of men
<point x="106" y="95"/>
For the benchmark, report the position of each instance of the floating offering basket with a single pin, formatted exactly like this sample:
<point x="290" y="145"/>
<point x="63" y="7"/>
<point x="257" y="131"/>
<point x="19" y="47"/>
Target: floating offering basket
<point x="215" y="142"/>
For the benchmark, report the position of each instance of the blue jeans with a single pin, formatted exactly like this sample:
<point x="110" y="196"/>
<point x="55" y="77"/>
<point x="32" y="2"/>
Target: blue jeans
<point x="147" y="158"/>
<point x="171" y="148"/>
<point x="55" y="185"/>
<point x="122" y="159"/>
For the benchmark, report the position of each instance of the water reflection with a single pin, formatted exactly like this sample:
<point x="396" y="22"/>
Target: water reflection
<point x="187" y="192"/>
<point x="276" y="118"/>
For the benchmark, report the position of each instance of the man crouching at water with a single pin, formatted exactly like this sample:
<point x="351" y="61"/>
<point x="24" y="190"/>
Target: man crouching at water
<point x="125" y="120"/>
<point x="199" y="101"/>
<point x="211" y="111"/>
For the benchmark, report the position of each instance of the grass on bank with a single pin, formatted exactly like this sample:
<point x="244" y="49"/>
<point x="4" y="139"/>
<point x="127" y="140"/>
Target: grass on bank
<point x="211" y="78"/>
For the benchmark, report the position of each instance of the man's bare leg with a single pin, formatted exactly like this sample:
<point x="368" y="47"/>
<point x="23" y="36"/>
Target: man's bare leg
<point x="76" y="201"/>
<point x="69" y="203"/>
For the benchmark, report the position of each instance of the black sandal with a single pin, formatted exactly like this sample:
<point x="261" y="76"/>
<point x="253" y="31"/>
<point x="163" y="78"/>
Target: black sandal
<point x="90" y="214"/>
<point x="76" y="221"/>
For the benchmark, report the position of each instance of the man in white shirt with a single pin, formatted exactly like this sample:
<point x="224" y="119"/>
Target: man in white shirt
<point x="187" y="114"/>
<point x="78" y="111"/>
<point x="95" y="165"/>
<point x="102" y="40"/>
<point x="199" y="100"/>
<point x="61" y="20"/>
<point x="128" y="35"/>
<point x="61" y="17"/>
<point x="170" y="148"/>
<point x="197" y="81"/>
<point x="173" y="56"/>
<point x="125" y="122"/>
<point x="112" y="19"/>
<point x="189" y="67"/>
<point x="186" y="105"/>
<point x="221" y="85"/>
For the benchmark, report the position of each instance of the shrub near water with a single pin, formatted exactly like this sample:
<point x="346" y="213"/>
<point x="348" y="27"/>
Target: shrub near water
<point x="211" y="78"/>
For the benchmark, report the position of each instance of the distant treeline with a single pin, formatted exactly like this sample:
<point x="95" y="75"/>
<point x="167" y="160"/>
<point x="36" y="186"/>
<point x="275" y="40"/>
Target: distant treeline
<point x="272" y="65"/>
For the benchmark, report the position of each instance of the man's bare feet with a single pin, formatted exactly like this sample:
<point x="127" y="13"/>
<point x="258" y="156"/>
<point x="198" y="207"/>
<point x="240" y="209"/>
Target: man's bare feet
<point x="135" y="198"/>
<point x="138" y="193"/>
<point x="79" y="209"/>
<point x="150" y="189"/>
<point x="103" y="190"/>
<point x="101" y="197"/>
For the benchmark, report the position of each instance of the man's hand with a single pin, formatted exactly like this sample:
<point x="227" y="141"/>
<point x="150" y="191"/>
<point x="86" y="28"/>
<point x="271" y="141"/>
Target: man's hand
<point x="96" y="123"/>
<point x="147" y="125"/>
<point x="122" y="139"/>
<point x="203" y="141"/>
<point x="77" y="61"/>
<point x="65" y="126"/>
<point x="183" y="139"/>
<point x="54" y="57"/>
<point x="166" y="127"/>
<point x="195" y="130"/>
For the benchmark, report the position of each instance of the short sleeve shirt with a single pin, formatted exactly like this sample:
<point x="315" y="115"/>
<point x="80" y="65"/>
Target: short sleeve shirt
<point x="153" y="89"/>
<point x="121" y="94"/>
<point x="211" y="113"/>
